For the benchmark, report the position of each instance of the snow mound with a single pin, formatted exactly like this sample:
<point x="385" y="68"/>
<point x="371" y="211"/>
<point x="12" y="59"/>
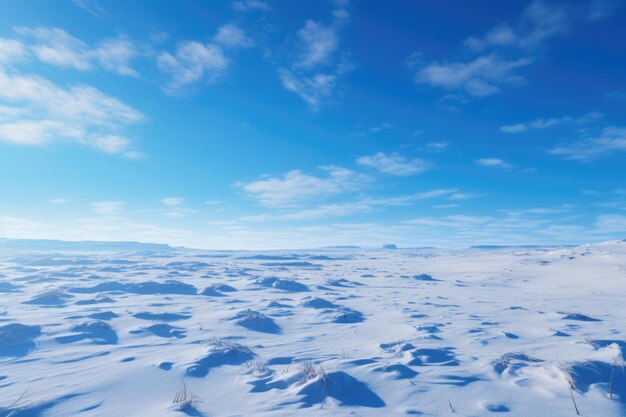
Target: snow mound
<point x="17" y="339"/>
<point x="220" y="353"/>
<point x="253" y="320"/>
<point x="282" y="284"/>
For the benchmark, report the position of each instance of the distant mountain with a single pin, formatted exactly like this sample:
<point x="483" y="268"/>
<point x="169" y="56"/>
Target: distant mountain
<point x="520" y="246"/>
<point x="62" y="245"/>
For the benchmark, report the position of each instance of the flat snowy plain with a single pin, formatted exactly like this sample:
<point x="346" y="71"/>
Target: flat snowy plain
<point x="475" y="332"/>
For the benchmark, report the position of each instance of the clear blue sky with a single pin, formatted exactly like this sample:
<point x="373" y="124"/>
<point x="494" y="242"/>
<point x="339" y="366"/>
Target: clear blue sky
<point x="280" y="124"/>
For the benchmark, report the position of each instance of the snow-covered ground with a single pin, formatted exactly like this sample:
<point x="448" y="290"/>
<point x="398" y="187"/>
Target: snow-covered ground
<point x="517" y="332"/>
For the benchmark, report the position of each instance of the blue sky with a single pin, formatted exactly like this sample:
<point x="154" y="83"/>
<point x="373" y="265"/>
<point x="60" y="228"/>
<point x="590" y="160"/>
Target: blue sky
<point x="282" y="124"/>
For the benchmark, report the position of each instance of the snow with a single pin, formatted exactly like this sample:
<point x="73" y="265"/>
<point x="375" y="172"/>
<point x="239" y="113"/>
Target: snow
<point x="328" y="332"/>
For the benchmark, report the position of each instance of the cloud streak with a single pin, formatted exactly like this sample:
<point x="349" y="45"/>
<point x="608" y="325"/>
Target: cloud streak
<point x="56" y="47"/>
<point x="315" y="75"/>
<point x="194" y="61"/>
<point x="38" y="112"/>
<point x="296" y="187"/>
<point x="506" y="49"/>
<point x="394" y="164"/>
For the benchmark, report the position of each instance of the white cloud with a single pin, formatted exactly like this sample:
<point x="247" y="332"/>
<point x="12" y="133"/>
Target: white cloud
<point x="538" y="23"/>
<point x="545" y="22"/>
<point x="394" y="164"/>
<point x="175" y="207"/>
<point x="516" y="128"/>
<point x="107" y="208"/>
<point x="12" y="51"/>
<point x="319" y="43"/>
<point x="465" y="196"/>
<point x="404" y="200"/>
<point x="494" y="163"/>
<point x="111" y="144"/>
<point x="435" y="146"/>
<point x="374" y="129"/>
<point x="249" y="5"/>
<point x="192" y="62"/>
<point x="178" y="212"/>
<point x="610" y="140"/>
<point x="501" y="35"/>
<point x="329" y="210"/>
<point x="37" y="132"/>
<point x="295" y="186"/>
<point x="544" y="123"/>
<point x="231" y="36"/>
<point x="195" y="61"/>
<point x="454" y="221"/>
<point x="616" y="95"/>
<point x="484" y="75"/>
<point x="314" y="75"/>
<point x="115" y="55"/>
<point x="611" y="223"/>
<point x="214" y="202"/>
<point x="173" y="201"/>
<point x="55" y="46"/>
<point x="38" y="112"/>
<point x="364" y="204"/>
<point x="480" y="77"/>
<point x="257" y="218"/>
<point x="21" y="228"/>
<point x="59" y="200"/>
<point x="600" y="9"/>
<point x="313" y="90"/>
<point x="90" y="6"/>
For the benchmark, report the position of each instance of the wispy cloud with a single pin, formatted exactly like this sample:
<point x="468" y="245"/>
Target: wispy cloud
<point x="364" y="204"/>
<point x="312" y="89"/>
<point x="59" y="200"/>
<point x="314" y="75"/>
<point x="329" y="210"/>
<point x="453" y="221"/>
<point x="601" y="9"/>
<point x="505" y="49"/>
<point x="611" y="222"/>
<point x="295" y="186"/>
<point x="173" y="201"/>
<point x="465" y="196"/>
<point x="610" y="140"/>
<point x="192" y="62"/>
<point x="615" y="95"/>
<point x="494" y="163"/>
<point x="107" y="208"/>
<point x="90" y="6"/>
<point x="544" y="123"/>
<point x="373" y="129"/>
<point x="56" y="47"/>
<point x="232" y="36"/>
<point x="12" y="51"/>
<point x="179" y="212"/>
<point x="538" y="24"/>
<point x="195" y="61"/>
<point x="394" y="164"/>
<point x="434" y="147"/>
<point x="38" y="112"/>
<point x="175" y="207"/>
<point x="480" y="77"/>
<point x="250" y="5"/>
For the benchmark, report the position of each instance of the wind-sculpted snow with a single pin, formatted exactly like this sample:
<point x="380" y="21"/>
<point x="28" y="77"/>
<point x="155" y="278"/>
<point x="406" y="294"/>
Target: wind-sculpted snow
<point x="17" y="339"/>
<point x="329" y="332"/>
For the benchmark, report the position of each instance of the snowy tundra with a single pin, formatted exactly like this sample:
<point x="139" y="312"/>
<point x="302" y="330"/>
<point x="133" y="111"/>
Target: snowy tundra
<point x="352" y="332"/>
